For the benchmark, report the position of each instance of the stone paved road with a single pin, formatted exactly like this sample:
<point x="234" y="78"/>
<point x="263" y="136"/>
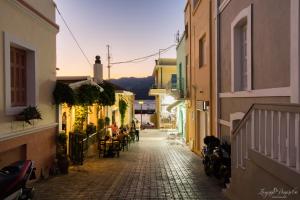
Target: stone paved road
<point x="154" y="168"/>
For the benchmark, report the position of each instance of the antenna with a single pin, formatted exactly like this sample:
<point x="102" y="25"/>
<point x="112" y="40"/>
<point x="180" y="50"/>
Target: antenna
<point x="108" y="61"/>
<point x="177" y="37"/>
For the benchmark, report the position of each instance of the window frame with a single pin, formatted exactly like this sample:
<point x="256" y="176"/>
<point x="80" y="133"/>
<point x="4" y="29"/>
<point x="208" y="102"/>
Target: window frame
<point x="243" y="18"/>
<point x="19" y="71"/>
<point x="202" y="51"/>
<point x="195" y="3"/>
<point x="186" y="30"/>
<point x="31" y="73"/>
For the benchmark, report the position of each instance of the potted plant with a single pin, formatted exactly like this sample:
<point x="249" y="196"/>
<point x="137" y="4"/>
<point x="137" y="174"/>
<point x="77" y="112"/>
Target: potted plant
<point x="62" y="159"/>
<point x="107" y="121"/>
<point x="29" y="113"/>
<point x="100" y="129"/>
<point x="90" y="129"/>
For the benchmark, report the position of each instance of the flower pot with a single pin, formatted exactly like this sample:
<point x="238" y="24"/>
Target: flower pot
<point x="63" y="165"/>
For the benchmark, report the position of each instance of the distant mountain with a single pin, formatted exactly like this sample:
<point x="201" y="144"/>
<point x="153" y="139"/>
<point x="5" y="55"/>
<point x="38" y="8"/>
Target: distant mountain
<point x="139" y="86"/>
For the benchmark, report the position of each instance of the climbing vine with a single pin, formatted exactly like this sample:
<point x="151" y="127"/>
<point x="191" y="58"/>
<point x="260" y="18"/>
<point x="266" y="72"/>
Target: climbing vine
<point x="122" y="109"/>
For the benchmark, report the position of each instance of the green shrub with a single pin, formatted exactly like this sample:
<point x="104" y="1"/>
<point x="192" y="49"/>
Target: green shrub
<point x="87" y="95"/>
<point x="107" y="121"/>
<point x="101" y="124"/>
<point x="63" y="94"/>
<point x="90" y="129"/>
<point x="122" y="109"/>
<point x="62" y="138"/>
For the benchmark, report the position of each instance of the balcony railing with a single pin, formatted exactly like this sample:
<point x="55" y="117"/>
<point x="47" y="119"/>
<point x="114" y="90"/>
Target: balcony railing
<point x="159" y="86"/>
<point x="177" y="88"/>
<point x="271" y="130"/>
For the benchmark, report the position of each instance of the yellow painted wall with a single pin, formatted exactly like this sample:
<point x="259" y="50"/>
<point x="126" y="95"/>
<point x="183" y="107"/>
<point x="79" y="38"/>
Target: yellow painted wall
<point x="200" y="78"/>
<point x="30" y="29"/>
<point x="129" y="98"/>
<point x="167" y="72"/>
<point x="43" y="7"/>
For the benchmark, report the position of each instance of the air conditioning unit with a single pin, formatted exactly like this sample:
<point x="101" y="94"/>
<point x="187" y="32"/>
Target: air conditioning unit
<point x="202" y="105"/>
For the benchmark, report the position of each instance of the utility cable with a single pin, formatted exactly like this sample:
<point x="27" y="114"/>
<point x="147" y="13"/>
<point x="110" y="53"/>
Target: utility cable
<point x="73" y="36"/>
<point x="141" y="59"/>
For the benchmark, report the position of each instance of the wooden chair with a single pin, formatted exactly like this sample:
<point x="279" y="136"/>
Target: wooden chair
<point x="125" y="143"/>
<point x="116" y="146"/>
<point x="102" y="147"/>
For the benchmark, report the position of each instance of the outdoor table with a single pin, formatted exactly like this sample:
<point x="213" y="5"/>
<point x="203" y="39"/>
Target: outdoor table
<point x="111" y="148"/>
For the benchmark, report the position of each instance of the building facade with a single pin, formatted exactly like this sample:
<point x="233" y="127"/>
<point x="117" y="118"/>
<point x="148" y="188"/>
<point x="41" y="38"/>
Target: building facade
<point x="181" y="91"/>
<point x="258" y="80"/>
<point x="199" y="36"/>
<point x="165" y="79"/>
<point x="28" y="75"/>
<point x="128" y="97"/>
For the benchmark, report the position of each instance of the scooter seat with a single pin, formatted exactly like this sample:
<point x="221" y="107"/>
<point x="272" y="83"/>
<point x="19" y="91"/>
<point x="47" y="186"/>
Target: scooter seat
<point x="12" y="177"/>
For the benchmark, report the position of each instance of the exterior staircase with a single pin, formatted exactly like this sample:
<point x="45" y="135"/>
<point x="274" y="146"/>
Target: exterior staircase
<point x="266" y="153"/>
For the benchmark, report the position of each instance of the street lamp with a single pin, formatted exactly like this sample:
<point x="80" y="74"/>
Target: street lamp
<point x="141" y="103"/>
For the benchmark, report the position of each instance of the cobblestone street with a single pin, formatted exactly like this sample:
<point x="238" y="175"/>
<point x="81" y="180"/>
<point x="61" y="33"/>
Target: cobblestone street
<point x="153" y="168"/>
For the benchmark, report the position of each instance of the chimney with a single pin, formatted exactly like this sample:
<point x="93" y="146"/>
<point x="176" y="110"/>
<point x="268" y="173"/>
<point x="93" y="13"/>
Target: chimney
<point x="98" y="70"/>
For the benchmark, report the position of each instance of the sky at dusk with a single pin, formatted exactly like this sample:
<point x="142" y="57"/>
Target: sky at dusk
<point x="133" y="28"/>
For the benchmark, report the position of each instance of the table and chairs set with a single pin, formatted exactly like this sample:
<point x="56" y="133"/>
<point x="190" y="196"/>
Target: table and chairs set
<point x="112" y="146"/>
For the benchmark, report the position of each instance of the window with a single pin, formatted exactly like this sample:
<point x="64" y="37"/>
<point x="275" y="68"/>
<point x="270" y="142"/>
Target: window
<point x="186" y="30"/>
<point x="173" y="81"/>
<point x="187" y="60"/>
<point x="180" y="77"/>
<point x="241" y="51"/>
<point x="202" y="52"/>
<point x="20" y="75"/>
<point x="195" y="2"/>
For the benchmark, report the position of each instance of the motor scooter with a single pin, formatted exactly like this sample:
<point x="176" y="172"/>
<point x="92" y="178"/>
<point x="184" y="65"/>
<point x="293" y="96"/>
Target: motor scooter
<point x="216" y="158"/>
<point x="14" y="178"/>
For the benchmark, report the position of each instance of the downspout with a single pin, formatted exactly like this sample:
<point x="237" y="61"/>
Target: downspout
<point x="217" y="65"/>
<point x="161" y="78"/>
<point x="190" y="45"/>
<point x="191" y="87"/>
<point x="210" y="68"/>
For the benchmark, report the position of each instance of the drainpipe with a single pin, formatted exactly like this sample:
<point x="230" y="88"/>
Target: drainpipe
<point x="161" y="77"/>
<point x="210" y="68"/>
<point x="217" y="65"/>
<point x="190" y="45"/>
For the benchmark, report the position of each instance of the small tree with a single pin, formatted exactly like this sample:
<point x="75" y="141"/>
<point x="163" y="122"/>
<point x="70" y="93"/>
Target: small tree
<point x="107" y="121"/>
<point x="101" y="124"/>
<point x="122" y="109"/>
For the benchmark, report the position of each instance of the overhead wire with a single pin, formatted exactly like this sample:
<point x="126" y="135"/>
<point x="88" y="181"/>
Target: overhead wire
<point x="73" y="36"/>
<point x="141" y="59"/>
<point x="136" y="60"/>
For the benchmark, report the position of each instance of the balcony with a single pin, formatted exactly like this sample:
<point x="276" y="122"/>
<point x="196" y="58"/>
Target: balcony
<point x="176" y="89"/>
<point x="157" y="90"/>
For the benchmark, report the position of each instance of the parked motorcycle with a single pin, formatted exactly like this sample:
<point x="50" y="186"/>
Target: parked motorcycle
<point x="216" y="158"/>
<point x="14" y="178"/>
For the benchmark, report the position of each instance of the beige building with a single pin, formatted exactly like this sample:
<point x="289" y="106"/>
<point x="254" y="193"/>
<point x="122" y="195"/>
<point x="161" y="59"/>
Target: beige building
<point x="199" y="36"/>
<point x="258" y="80"/>
<point x="165" y="79"/>
<point x="128" y="97"/>
<point x="28" y="75"/>
<point x="67" y="115"/>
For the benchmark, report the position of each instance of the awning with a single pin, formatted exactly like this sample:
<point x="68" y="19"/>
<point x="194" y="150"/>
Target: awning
<point x="76" y="85"/>
<point x="173" y="105"/>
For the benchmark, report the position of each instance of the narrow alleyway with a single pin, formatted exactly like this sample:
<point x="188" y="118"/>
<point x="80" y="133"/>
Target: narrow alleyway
<point x="153" y="168"/>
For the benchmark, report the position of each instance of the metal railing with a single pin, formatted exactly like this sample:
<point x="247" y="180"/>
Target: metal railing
<point x="79" y="145"/>
<point x="271" y="130"/>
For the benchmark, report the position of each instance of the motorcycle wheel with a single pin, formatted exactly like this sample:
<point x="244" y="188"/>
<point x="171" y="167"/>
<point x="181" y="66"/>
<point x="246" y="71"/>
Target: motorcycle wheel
<point x="28" y="194"/>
